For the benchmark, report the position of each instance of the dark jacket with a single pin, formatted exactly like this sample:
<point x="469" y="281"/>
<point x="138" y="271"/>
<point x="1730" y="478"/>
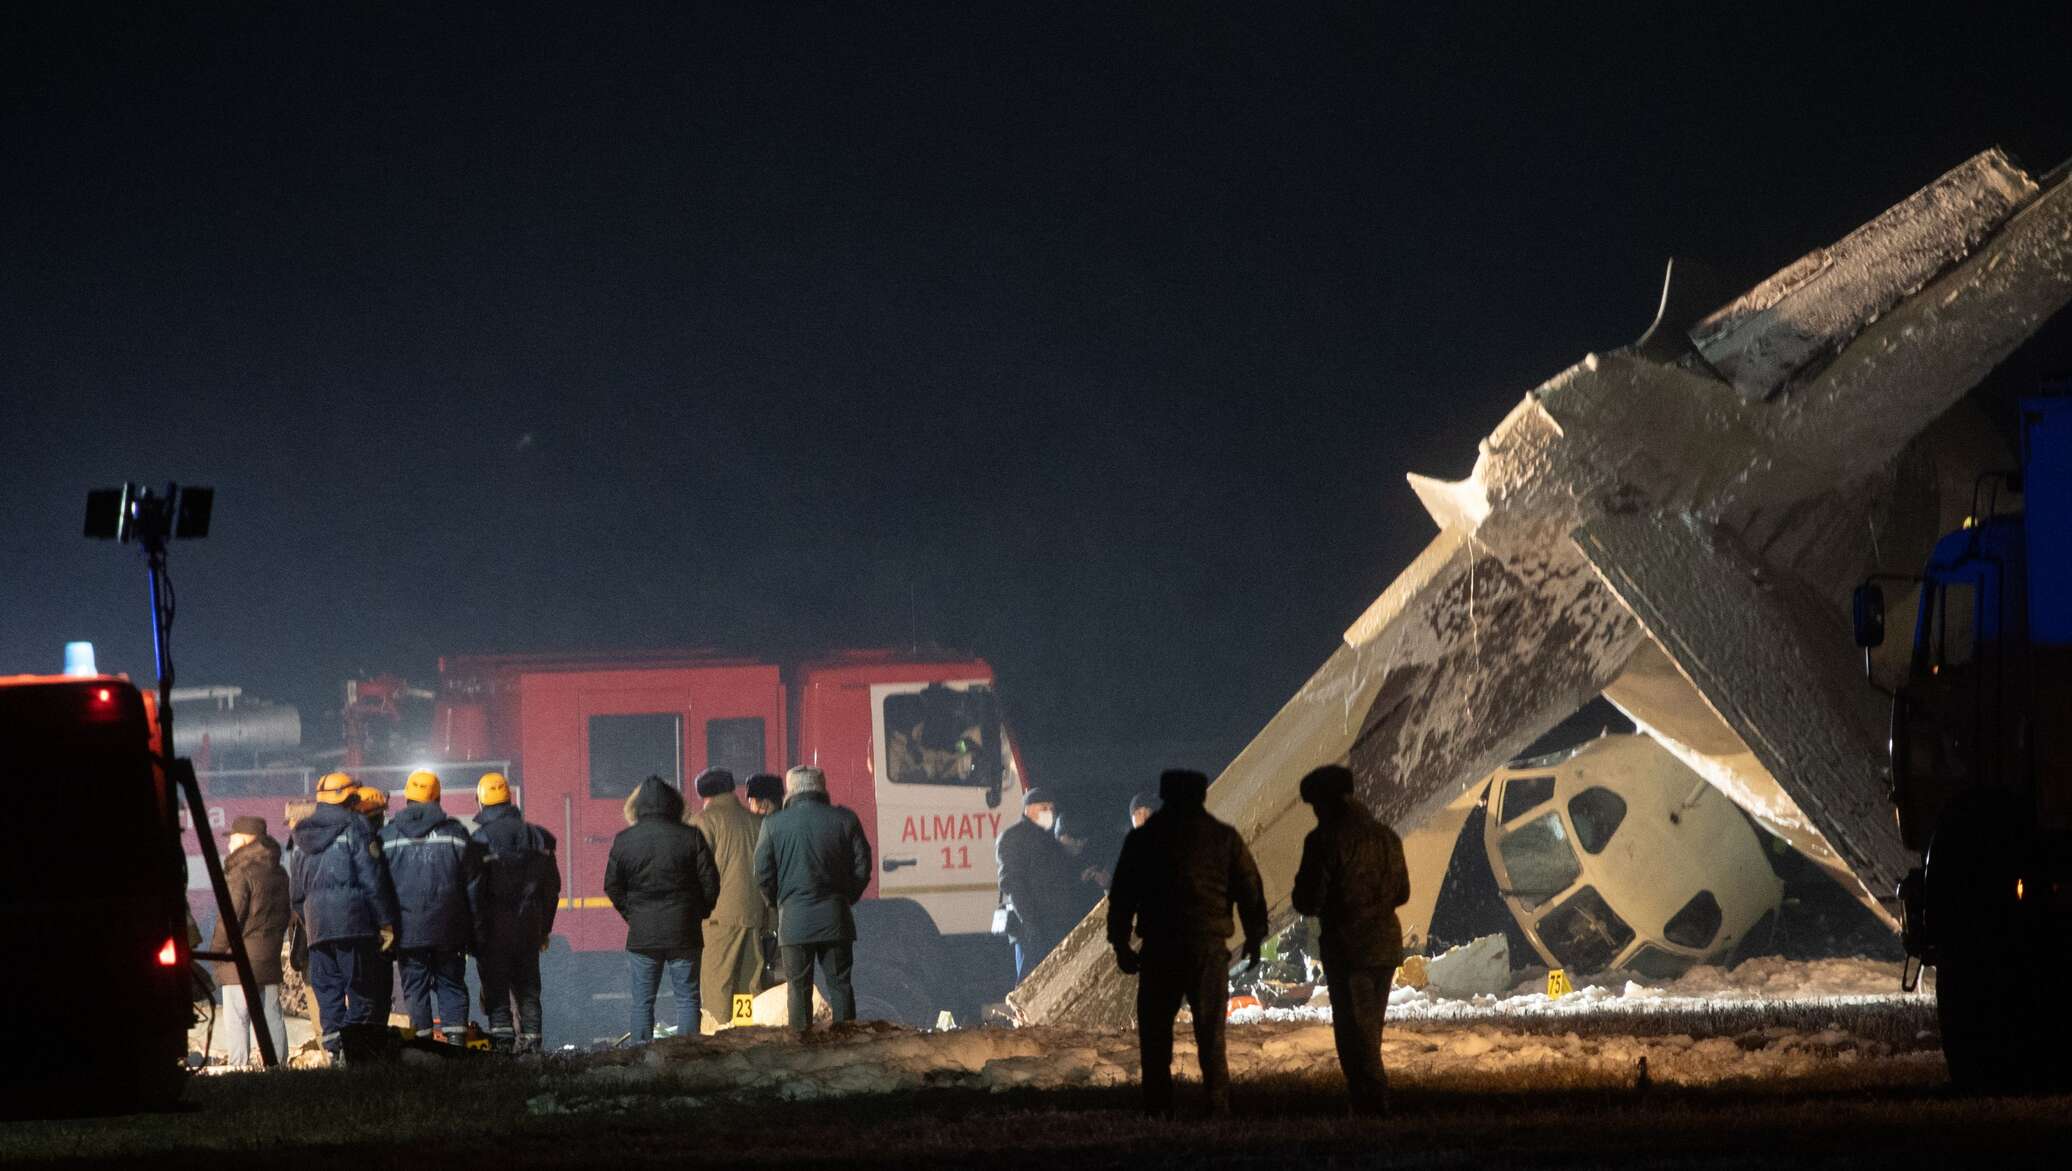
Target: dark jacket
<point x="517" y="882"/>
<point x="1039" y="881"/>
<point x="660" y="876"/>
<point x="1178" y="876"/>
<point x="1352" y="879"/>
<point x="813" y="862"/>
<point x="259" y="895"/>
<point x="337" y="884"/>
<point x="431" y="862"/>
<point x="732" y="831"/>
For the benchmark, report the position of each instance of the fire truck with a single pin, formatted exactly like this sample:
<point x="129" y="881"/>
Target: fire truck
<point x="913" y="742"/>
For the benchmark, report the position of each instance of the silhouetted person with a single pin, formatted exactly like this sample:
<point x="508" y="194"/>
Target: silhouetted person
<point x="1352" y="879"/>
<point x="1179" y="875"/>
<point x="1037" y="876"/>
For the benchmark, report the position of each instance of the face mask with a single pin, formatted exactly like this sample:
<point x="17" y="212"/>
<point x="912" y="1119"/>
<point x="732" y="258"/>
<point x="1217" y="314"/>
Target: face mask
<point x="1045" y="819"/>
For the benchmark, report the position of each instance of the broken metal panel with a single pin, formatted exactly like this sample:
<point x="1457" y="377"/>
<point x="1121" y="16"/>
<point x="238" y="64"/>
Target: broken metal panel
<point x="1773" y="664"/>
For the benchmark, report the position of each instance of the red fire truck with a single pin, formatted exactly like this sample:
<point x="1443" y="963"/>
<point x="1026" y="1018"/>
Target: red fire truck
<point x="914" y="743"/>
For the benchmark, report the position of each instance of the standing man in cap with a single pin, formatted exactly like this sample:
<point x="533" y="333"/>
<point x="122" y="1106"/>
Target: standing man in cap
<point x="516" y="889"/>
<point x="259" y="897"/>
<point x="661" y="880"/>
<point x="733" y="963"/>
<point x="813" y="862"/>
<point x="764" y="795"/>
<point x="1037" y="877"/>
<point x="431" y="863"/>
<point x="341" y="892"/>
<point x="1179" y="875"/>
<point x="1353" y="878"/>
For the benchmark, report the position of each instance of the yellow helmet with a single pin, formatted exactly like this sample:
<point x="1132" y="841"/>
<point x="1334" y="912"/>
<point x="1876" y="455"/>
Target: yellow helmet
<point x="368" y="799"/>
<point x="336" y="788"/>
<point x="493" y="789"/>
<point x="422" y="785"/>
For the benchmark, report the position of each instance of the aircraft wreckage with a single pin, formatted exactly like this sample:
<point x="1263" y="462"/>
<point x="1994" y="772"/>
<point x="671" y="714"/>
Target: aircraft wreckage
<point x="1677" y="526"/>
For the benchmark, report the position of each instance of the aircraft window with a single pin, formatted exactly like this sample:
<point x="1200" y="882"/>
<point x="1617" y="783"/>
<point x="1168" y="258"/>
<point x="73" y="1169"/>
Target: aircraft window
<point x="943" y="736"/>
<point x="1596" y="812"/>
<point x="735" y="745"/>
<point x="1697" y="924"/>
<point x="1584" y="933"/>
<point x="1522" y="795"/>
<point x="1655" y="964"/>
<point x="626" y="750"/>
<point x="1539" y="860"/>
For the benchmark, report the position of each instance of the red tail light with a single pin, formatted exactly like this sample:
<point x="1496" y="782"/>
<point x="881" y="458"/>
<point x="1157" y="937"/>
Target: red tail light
<point x="169" y="955"/>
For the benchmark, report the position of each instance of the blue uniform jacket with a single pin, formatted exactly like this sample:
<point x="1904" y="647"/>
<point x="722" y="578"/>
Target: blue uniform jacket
<point x="432" y="862"/>
<point x="338" y="886"/>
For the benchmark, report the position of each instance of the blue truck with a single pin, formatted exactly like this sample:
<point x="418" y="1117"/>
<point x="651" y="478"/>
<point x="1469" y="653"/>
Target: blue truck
<point x="1981" y="764"/>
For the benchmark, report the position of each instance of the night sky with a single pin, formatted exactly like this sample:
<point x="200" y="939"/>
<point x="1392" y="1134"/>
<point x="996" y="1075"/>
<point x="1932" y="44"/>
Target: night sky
<point x="1094" y="340"/>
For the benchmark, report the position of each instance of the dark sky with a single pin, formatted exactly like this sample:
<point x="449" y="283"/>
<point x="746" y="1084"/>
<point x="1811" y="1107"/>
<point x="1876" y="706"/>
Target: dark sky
<point x="1097" y="340"/>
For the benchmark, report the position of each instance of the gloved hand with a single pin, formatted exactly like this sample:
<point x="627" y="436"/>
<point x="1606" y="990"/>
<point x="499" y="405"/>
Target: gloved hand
<point x="388" y="940"/>
<point x="1252" y="947"/>
<point x="1127" y="960"/>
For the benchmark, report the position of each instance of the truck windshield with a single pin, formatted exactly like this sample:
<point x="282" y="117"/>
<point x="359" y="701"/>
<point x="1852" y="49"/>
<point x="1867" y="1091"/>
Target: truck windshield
<point x="943" y="736"/>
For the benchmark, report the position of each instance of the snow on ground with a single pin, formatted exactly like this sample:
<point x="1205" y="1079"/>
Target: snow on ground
<point x="1765" y="1020"/>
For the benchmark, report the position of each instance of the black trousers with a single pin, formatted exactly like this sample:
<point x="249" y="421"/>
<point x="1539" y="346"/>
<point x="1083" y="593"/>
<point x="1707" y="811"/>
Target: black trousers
<point x="510" y="971"/>
<point x="1202" y="981"/>
<point x="836" y="958"/>
<point x="1359" y="1004"/>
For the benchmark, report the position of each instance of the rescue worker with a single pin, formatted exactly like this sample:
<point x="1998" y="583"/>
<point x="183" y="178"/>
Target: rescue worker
<point x="1353" y="878"/>
<point x="1037" y="875"/>
<point x="259" y="898"/>
<point x="733" y="962"/>
<point x="1179" y="875"/>
<point x="372" y="804"/>
<point x="341" y="892"/>
<point x="431" y="862"/>
<point x="812" y="863"/>
<point x="661" y="880"/>
<point x="516" y="890"/>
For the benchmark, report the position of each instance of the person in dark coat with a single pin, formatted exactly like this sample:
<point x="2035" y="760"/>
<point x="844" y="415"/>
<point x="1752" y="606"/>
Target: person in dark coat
<point x="517" y="888"/>
<point x="813" y="862"/>
<point x="1353" y="878"/>
<point x="1179" y="875"/>
<point x="1038" y="881"/>
<point x="431" y="862"/>
<point x="259" y="898"/>
<point x="340" y="891"/>
<point x="763" y="794"/>
<point x="662" y="881"/>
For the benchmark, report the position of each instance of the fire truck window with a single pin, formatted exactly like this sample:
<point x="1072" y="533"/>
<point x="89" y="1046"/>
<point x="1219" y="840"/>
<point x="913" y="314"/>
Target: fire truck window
<point x="1596" y="812"/>
<point x="942" y="736"/>
<point x="626" y="750"/>
<point x="735" y="745"/>
<point x="1697" y="924"/>
<point x="1584" y="933"/>
<point x="1538" y="860"/>
<point x="1522" y="795"/>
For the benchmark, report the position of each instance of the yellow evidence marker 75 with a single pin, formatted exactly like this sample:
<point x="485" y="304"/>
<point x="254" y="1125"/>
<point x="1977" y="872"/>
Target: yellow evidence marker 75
<point x="1557" y="984"/>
